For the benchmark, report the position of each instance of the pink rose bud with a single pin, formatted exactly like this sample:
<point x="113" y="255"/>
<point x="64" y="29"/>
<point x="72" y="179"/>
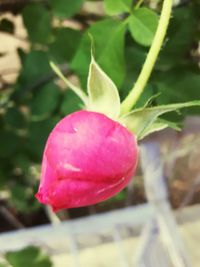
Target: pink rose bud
<point x="88" y="158"/>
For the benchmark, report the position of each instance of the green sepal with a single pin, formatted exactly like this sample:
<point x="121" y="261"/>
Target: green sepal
<point x="103" y="93"/>
<point x="159" y="125"/>
<point x="75" y="89"/>
<point x="144" y="121"/>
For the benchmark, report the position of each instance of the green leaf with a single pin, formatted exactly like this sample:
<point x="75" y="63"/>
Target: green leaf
<point x="103" y="94"/>
<point x="108" y="38"/>
<point x="114" y="7"/>
<point x="22" y="198"/>
<point x="14" y="118"/>
<point x="75" y="89"/>
<point x="146" y="98"/>
<point x="178" y="84"/>
<point x="159" y="125"/>
<point x="30" y="256"/>
<point x="65" y="8"/>
<point x="8" y="143"/>
<point x="37" y="21"/>
<point x="143" y="24"/>
<point x="65" y="44"/>
<point x="70" y="103"/>
<point x="37" y="136"/>
<point x="135" y="56"/>
<point x="35" y="68"/>
<point x="45" y="101"/>
<point x="22" y="161"/>
<point x="181" y="39"/>
<point x="139" y="120"/>
<point x="7" y="25"/>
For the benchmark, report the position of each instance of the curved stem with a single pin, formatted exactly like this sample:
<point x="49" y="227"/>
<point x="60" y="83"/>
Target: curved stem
<point x="145" y="73"/>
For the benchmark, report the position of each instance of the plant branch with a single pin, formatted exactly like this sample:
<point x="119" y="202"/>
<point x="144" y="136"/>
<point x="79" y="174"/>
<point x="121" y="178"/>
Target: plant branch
<point x="145" y="73"/>
<point x="11" y="218"/>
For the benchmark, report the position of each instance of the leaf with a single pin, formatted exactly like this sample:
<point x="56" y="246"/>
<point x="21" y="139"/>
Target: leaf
<point x="135" y="56"/>
<point x="143" y="24"/>
<point x="103" y="94"/>
<point x="31" y="73"/>
<point x="30" y="256"/>
<point x="38" y="132"/>
<point x="108" y="38"/>
<point x="159" y="125"/>
<point x="178" y="84"/>
<point x="37" y="21"/>
<point x="71" y="103"/>
<point x="9" y="142"/>
<point x="22" y="198"/>
<point x="45" y="101"/>
<point x="75" y="89"/>
<point x="22" y="161"/>
<point x="65" y="44"/>
<point x="115" y="7"/>
<point x="65" y="9"/>
<point x="139" y="120"/>
<point x="146" y="98"/>
<point x="181" y="39"/>
<point x="14" y="118"/>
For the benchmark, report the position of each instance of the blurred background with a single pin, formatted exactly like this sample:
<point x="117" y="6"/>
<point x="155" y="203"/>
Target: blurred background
<point x="33" y="99"/>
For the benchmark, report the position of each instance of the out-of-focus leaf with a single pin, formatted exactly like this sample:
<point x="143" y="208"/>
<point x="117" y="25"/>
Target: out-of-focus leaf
<point x="178" y="84"/>
<point x="148" y="94"/>
<point x="21" y="160"/>
<point x="37" y="136"/>
<point x="180" y="39"/>
<point x="64" y="46"/>
<point x="103" y="94"/>
<point x="14" y="118"/>
<point x="7" y="25"/>
<point x="65" y="8"/>
<point x="114" y="7"/>
<point x="143" y="24"/>
<point x="70" y="103"/>
<point x="108" y="38"/>
<point x="79" y="92"/>
<point x="135" y="55"/>
<point x="30" y="256"/>
<point x="37" y="21"/>
<point x="35" y="67"/>
<point x="45" y="101"/>
<point x="21" y="53"/>
<point x="22" y="198"/>
<point x="8" y="143"/>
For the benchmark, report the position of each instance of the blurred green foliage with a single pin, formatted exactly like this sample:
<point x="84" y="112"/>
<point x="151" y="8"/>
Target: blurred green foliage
<point x="30" y="256"/>
<point x="58" y="30"/>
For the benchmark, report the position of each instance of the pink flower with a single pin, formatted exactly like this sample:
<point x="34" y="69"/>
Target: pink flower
<point x="88" y="158"/>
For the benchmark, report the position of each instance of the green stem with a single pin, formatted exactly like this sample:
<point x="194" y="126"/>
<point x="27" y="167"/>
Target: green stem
<point x="145" y="73"/>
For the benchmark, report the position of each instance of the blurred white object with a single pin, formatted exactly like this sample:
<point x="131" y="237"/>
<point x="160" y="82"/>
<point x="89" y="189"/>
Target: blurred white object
<point x="161" y="232"/>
